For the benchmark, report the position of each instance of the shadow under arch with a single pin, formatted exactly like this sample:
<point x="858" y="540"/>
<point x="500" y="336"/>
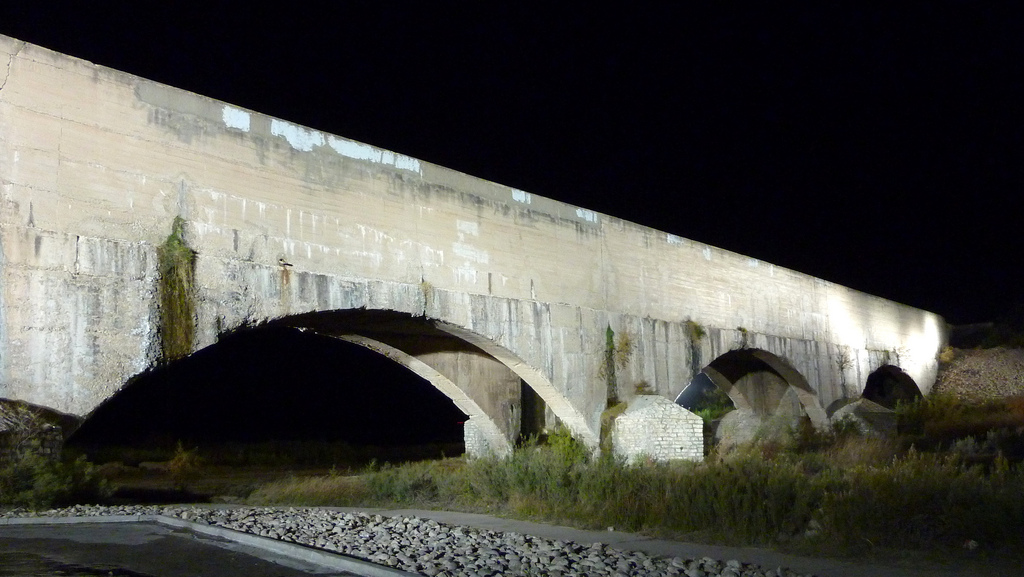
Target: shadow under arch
<point x="763" y="384"/>
<point x="273" y="383"/>
<point x="889" y="385"/>
<point x="497" y="441"/>
<point x="413" y="336"/>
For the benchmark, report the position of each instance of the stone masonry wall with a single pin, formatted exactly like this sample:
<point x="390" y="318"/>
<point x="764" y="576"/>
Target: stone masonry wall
<point x="480" y="443"/>
<point x="656" y="428"/>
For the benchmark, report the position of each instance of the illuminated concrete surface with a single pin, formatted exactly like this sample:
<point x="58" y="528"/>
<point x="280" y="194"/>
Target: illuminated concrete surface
<point x="473" y="283"/>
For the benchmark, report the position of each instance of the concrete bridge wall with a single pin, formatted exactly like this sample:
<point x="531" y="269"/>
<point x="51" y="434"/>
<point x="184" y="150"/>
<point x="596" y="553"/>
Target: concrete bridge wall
<point x="95" y="165"/>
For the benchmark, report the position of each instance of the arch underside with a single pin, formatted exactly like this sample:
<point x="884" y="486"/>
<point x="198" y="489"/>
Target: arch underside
<point x="889" y="385"/>
<point x="476" y="373"/>
<point x="763" y="384"/>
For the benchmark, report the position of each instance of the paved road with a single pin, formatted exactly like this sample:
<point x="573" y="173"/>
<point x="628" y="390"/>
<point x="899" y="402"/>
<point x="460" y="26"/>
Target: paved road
<point x="139" y="549"/>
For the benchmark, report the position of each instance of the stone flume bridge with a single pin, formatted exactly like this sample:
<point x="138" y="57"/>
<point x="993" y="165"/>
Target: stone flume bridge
<point x="140" y="222"/>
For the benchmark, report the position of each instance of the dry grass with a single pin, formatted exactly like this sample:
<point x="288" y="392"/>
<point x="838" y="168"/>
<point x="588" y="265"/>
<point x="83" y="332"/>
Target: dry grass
<point x="313" y="491"/>
<point x="857" y="490"/>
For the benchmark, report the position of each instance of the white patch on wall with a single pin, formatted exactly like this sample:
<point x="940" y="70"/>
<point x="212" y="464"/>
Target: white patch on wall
<point x="375" y="258"/>
<point x="707" y="253"/>
<point x="753" y="263"/>
<point x="204" y="228"/>
<point x="298" y="137"/>
<point x="360" y="151"/>
<point x="407" y="163"/>
<point x="521" y="196"/>
<point x="236" y="118"/>
<point x="465" y="275"/>
<point x="378" y="235"/>
<point x="352" y="149"/>
<point x="470" y="253"/>
<point x="467" y="227"/>
<point x="587" y="215"/>
<point x="673" y="239"/>
<point x="431" y="257"/>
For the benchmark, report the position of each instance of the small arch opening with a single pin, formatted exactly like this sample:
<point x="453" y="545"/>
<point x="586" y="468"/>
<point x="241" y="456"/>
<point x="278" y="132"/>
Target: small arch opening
<point x="889" y="386"/>
<point x="704" y="398"/>
<point x="759" y="386"/>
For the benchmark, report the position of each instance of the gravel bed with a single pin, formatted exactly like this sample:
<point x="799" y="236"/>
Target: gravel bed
<point x="980" y="374"/>
<point x="431" y="548"/>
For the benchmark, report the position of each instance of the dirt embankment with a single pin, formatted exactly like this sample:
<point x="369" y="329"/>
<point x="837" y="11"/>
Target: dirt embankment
<point x="978" y="374"/>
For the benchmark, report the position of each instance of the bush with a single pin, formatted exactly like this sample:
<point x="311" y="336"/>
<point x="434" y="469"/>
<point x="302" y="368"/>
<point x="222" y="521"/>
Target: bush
<point x="828" y="491"/>
<point x="924" y="500"/>
<point x="713" y="404"/>
<point x="938" y="422"/>
<point x="36" y="482"/>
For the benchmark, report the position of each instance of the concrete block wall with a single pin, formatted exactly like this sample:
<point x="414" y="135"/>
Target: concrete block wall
<point x="653" y="427"/>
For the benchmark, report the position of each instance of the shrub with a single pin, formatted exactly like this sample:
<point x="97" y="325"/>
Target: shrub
<point x="836" y="490"/>
<point x="713" y="404"/>
<point x="183" y="465"/>
<point x="37" y="482"/>
<point x="939" y="421"/>
<point x="924" y="500"/>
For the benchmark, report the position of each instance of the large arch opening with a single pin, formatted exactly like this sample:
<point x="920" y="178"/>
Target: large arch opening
<point x="281" y="384"/>
<point x="889" y="386"/>
<point x="389" y="385"/>
<point x="265" y="403"/>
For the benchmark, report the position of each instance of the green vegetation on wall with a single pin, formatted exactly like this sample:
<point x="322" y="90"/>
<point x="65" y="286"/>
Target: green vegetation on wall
<point x="177" y="264"/>
<point x="609" y="367"/>
<point x="617" y="352"/>
<point x="696" y="333"/>
<point x="695" y="330"/>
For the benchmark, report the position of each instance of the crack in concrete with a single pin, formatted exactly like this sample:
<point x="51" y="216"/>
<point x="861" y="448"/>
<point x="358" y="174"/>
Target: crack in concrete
<point x="7" y="72"/>
<point x="10" y="63"/>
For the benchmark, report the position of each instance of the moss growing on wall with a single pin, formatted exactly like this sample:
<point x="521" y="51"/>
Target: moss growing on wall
<point x="617" y="353"/>
<point x="609" y="367"/>
<point x="695" y="331"/>
<point x="607" y="422"/>
<point x="177" y="264"/>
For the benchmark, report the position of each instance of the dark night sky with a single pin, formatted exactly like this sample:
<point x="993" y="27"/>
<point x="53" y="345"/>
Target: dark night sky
<point x="878" y="148"/>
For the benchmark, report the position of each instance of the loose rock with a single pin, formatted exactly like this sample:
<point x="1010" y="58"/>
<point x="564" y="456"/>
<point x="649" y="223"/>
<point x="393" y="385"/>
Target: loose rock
<point x="427" y="547"/>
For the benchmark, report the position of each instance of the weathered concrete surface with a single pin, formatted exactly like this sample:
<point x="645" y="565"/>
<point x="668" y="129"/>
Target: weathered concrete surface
<point x="96" y="164"/>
